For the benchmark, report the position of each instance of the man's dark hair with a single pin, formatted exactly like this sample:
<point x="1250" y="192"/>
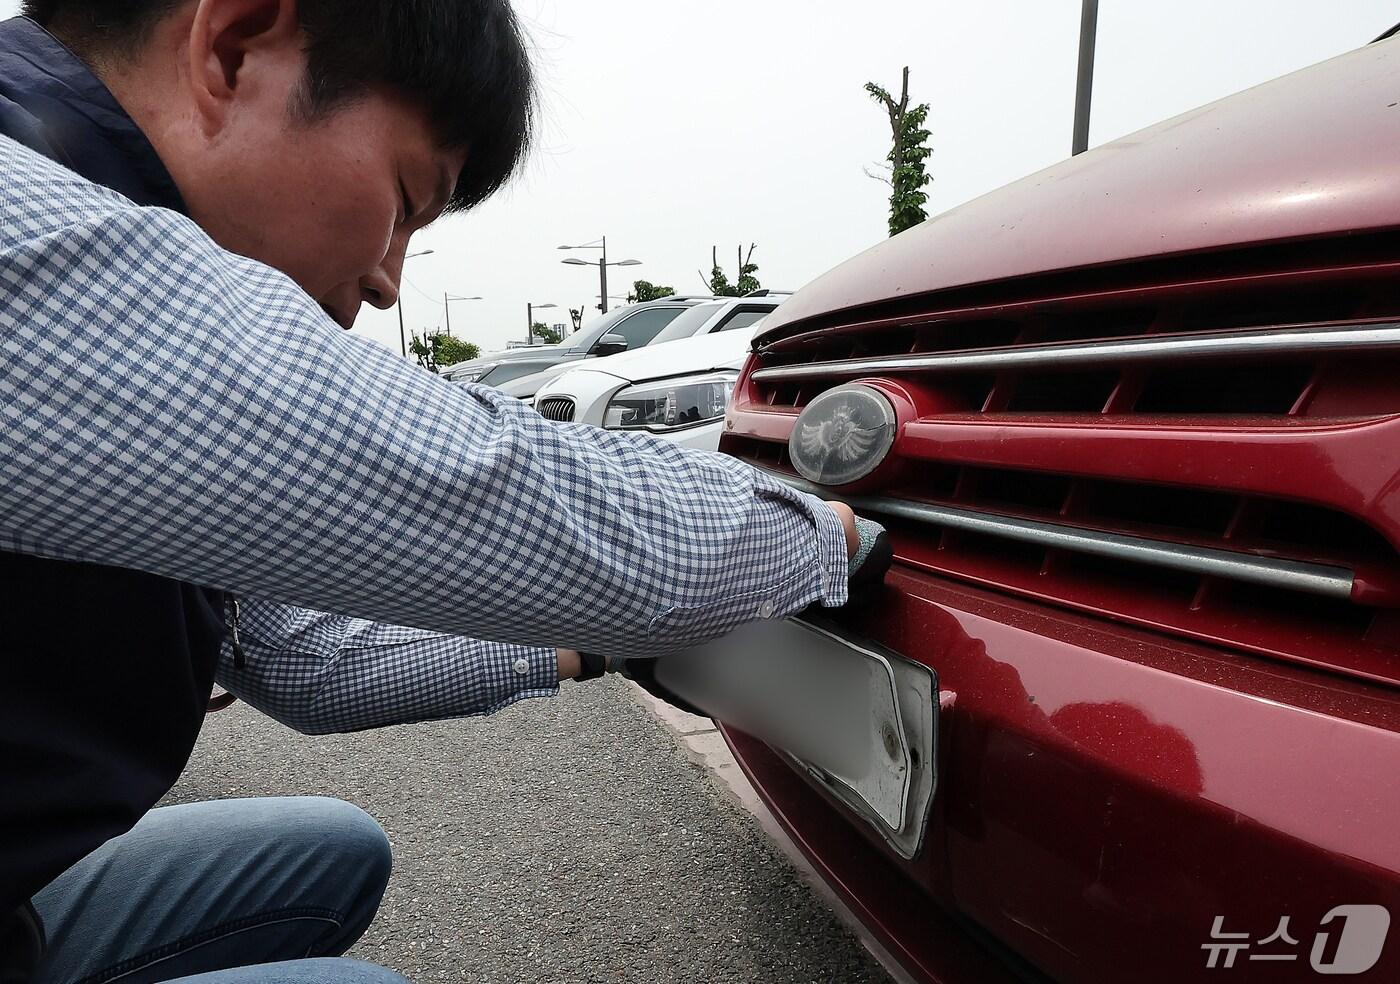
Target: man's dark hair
<point x="463" y="61"/>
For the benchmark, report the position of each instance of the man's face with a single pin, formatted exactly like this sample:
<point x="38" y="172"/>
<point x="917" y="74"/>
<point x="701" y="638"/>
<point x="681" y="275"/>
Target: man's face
<point x="330" y="200"/>
<point x="331" y="203"/>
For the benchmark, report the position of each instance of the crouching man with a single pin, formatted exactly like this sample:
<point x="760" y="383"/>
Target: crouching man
<point x="202" y="477"/>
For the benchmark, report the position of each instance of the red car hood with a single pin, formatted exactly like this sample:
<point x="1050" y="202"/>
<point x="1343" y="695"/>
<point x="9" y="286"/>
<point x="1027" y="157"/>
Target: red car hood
<point x="1310" y="154"/>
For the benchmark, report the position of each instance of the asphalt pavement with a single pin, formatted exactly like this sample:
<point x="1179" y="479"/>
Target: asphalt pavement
<point x="560" y="840"/>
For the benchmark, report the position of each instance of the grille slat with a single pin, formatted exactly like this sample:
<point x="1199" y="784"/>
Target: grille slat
<point x="1263" y="343"/>
<point x="1292" y="575"/>
<point x="556" y="408"/>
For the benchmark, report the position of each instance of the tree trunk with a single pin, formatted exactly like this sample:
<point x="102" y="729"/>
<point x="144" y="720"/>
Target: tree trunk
<point x="897" y="124"/>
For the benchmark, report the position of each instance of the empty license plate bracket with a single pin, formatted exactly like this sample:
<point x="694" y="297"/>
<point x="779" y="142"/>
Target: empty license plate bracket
<point x="858" y="718"/>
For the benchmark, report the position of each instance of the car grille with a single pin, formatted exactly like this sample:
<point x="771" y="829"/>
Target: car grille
<point x="1209" y="458"/>
<point x="559" y="408"/>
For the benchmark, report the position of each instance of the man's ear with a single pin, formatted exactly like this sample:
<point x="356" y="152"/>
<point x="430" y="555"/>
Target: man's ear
<point x="237" y="47"/>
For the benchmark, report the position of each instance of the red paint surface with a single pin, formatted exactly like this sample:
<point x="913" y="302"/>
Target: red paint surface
<point x="1105" y="794"/>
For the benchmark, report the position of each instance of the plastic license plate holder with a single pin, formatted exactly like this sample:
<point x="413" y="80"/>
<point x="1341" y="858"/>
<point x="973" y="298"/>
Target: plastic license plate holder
<point x="859" y="719"/>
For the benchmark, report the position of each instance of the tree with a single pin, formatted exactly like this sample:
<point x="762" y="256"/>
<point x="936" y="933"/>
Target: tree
<point x="908" y="151"/>
<point x="437" y="350"/>
<point x="451" y="351"/>
<point x="425" y="351"/>
<point x="547" y="334"/>
<point x="645" y="290"/>
<point x="718" y="282"/>
<point x="576" y="316"/>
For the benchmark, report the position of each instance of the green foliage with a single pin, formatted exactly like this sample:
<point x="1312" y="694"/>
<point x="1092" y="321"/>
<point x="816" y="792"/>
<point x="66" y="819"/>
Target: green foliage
<point x="909" y="152"/>
<point x="718" y="282"/>
<point x="547" y="334"/>
<point x="645" y="290"/>
<point x="424" y="351"/>
<point x="451" y="351"/>
<point x="907" y="198"/>
<point x="439" y="350"/>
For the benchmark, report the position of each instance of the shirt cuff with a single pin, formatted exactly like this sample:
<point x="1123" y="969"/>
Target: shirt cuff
<point x="832" y="554"/>
<point x="522" y="672"/>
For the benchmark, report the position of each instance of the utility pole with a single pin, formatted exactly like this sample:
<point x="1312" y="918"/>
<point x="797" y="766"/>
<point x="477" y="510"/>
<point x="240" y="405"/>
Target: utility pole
<point x="603" y="275"/>
<point x="1084" y="89"/>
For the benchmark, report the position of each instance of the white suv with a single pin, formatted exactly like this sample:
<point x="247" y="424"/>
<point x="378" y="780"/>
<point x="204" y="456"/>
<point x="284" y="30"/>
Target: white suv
<point x="705" y="318"/>
<point x="722" y="314"/>
<point x="678" y="390"/>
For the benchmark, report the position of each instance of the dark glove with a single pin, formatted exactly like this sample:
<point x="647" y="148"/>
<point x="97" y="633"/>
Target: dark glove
<point x="639" y="671"/>
<point x="871" y="562"/>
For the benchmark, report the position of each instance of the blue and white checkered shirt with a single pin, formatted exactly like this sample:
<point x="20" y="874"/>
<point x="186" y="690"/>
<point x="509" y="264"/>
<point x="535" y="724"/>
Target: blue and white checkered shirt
<point x="170" y="407"/>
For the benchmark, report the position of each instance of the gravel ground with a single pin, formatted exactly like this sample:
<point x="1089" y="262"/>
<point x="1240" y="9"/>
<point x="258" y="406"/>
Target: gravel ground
<point x="561" y="840"/>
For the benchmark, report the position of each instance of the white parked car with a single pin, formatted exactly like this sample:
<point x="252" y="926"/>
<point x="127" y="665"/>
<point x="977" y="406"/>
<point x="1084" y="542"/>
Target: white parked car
<point x="678" y="390"/>
<point x="709" y="316"/>
<point x="522" y="372"/>
<point x="722" y="314"/>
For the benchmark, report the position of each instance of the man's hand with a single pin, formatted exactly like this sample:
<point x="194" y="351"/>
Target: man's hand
<point x="867" y="547"/>
<point x="570" y="664"/>
<point x="871" y="558"/>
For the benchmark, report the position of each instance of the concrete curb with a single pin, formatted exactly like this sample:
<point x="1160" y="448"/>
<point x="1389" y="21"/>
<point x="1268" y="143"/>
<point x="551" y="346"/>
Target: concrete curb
<point x="703" y="744"/>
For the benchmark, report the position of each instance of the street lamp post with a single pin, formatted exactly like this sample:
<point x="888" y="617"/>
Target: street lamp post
<point x="447" y="300"/>
<point x="1084" y="87"/>
<point x="398" y="303"/>
<point x="602" y="266"/>
<point x="530" y="320"/>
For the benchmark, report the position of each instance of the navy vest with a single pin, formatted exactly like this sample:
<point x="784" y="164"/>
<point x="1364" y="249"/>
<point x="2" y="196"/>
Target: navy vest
<point x="104" y="673"/>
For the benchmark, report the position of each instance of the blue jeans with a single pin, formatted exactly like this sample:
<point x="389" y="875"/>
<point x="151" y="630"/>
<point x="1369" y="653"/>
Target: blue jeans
<point x="252" y="891"/>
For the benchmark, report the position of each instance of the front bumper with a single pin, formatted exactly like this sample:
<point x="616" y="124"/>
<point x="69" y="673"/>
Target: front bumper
<point x="1106" y="794"/>
<point x="929" y="943"/>
<point x="592" y="390"/>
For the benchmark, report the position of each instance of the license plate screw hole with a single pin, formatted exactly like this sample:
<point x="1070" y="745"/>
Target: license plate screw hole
<point x="891" y="742"/>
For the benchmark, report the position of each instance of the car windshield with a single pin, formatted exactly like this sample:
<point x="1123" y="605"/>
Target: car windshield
<point x="687" y="324"/>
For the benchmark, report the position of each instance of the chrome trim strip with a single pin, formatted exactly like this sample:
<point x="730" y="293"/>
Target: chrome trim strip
<point x="1318" y="579"/>
<point x="1074" y="355"/>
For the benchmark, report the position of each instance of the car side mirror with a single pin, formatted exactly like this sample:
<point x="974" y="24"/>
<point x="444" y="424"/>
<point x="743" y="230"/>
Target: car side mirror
<point x="610" y="344"/>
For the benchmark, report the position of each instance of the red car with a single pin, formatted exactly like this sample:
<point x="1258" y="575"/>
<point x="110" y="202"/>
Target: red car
<point x="1134" y="425"/>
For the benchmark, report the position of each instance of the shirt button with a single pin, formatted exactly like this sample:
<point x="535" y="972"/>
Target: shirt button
<point x="766" y="610"/>
<point x="522" y="666"/>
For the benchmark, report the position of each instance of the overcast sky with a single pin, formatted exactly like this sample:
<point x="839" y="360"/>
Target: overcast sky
<point x="671" y="128"/>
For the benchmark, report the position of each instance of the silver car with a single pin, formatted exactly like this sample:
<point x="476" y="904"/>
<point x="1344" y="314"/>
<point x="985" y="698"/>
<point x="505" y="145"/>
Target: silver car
<point x="621" y="330"/>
